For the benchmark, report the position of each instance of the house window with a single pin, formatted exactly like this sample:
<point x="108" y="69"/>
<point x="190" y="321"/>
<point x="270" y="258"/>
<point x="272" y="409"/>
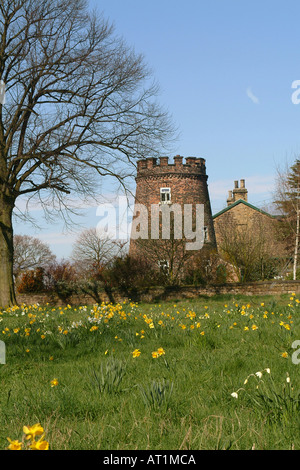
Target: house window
<point x="164" y="266"/>
<point x="165" y="195"/>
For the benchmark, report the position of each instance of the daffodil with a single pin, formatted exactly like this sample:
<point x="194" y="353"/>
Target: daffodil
<point x="161" y="351"/>
<point x="40" y="444"/>
<point x="136" y="353"/>
<point x="54" y="383"/>
<point x="32" y="431"/>
<point x="14" y="445"/>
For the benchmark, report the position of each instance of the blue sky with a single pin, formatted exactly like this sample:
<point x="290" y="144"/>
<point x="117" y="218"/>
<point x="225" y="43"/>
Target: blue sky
<point x="225" y="70"/>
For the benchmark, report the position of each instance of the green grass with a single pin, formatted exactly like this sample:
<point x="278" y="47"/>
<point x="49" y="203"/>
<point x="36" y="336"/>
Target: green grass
<point x="107" y="399"/>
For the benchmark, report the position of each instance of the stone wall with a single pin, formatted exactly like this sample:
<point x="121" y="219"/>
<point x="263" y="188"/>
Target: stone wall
<point x="153" y="294"/>
<point x="243" y="216"/>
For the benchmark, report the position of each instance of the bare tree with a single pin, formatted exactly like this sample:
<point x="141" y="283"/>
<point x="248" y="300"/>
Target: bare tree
<point x="30" y="253"/>
<point x="94" y="251"/>
<point x="79" y="106"/>
<point x="287" y="200"/>
<point x="250" y="249"/>
<point x="170" y="257"/>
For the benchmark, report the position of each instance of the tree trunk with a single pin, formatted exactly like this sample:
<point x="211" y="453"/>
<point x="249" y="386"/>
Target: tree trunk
<point x="297" y="239"/>
<point x="7" y="290"/>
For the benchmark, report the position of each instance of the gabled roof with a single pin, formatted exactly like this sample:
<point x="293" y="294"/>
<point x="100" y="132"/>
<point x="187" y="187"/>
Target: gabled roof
<point x="241" y="201"/>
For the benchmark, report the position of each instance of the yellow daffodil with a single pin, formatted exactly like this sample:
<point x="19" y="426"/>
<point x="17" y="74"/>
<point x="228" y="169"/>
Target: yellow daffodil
<point x="32" y="431"/>
<point x="40" y="444"/>
<point x="161" y="351"/>
<point x="54" y="383"/>
<point x="94" y="328"/>
<point x="14" y="445"/>
<point x="136" y="353"/>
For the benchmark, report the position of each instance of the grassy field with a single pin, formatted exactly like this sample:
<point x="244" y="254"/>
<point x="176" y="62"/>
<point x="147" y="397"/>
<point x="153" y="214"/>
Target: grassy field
<point x="217" y="373"/>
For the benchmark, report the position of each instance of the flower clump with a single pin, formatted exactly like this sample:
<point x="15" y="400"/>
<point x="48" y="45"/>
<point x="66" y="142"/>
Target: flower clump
<point x="29" y="441"/>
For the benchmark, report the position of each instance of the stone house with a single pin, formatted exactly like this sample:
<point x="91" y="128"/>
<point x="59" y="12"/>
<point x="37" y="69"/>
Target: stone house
<point x="245" y="232"/>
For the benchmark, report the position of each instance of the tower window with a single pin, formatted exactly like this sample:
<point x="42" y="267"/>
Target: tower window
<point x="205" y="234"/>
<point x="165" y="195"/>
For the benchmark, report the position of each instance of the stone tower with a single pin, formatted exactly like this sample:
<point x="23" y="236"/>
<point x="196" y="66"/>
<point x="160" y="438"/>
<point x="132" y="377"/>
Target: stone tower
<point x="179" y="183"/>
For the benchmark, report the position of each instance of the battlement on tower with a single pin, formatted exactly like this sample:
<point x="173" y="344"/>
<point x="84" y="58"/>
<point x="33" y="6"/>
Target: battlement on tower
<point x="150" y="166"/>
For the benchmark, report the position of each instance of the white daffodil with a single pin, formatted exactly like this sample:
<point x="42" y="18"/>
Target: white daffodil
<point x="259" y="374"/>
<point x="234" y="395"/>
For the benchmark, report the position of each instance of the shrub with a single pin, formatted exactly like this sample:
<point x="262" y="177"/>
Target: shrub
<point x="130" y="273"/>
<point x="60" y="278"/>
<point x="32" y="281"/>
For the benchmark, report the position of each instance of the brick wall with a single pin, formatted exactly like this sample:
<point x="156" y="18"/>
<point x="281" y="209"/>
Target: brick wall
<point x="188" y="184"/>
<point x="152" y="294"/>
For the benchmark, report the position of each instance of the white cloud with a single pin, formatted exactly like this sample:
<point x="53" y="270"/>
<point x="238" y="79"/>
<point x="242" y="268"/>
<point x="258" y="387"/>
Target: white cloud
<point x="58" y="238"/>
<point x="252" y="96"/>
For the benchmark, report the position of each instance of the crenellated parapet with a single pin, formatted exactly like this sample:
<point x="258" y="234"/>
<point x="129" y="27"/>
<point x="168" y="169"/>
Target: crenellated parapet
<point x="162" y="166"/>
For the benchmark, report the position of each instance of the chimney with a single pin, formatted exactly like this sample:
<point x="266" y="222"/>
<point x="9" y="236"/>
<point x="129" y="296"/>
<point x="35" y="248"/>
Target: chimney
<point x="230" y="198"/>
<point x="240" y="193"/>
